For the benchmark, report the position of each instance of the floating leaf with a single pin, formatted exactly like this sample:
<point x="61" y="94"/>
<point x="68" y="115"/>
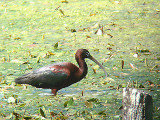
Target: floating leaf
<point x="93" y="100"/>
<point x="110" y="35"/>
<point x="53" y="114"/>
<point x="88" y="36"/>
<point x="27" y="117"/>
<point x="143" y="50"/>
<point x="92" y="14"/>
<point x="65" y="104"/>
<point x="33" y="56"/>
<point x="61" y="11"/>
<point x="56" y="45"/>
<point x="102" y="113"/>
<point x="88" y="104"/>
<point x="16" y="115"/>
<point x="22" y="105"/>
<point x="50" y="53"/>
<point x="42" y="112"/>
<point x="94" y="70"/>
<point x="132" y="66"/>
<point x="25" y="62"/>
<point x="38" y="60"/>
<point x="73" y="30"/>
<point x="71" y="102"/>
<point x="64" y="1"/>
<point x="18" y="38"/>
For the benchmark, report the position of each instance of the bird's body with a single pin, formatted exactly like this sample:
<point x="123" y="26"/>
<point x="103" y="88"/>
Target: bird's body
<point x="59" y="75"/>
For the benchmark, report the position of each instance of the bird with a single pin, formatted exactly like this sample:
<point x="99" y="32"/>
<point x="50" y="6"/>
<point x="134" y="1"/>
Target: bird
<point x="59" y="75"/>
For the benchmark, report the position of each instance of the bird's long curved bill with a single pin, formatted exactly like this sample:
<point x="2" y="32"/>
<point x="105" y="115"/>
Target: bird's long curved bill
<point x="93" y="59"/>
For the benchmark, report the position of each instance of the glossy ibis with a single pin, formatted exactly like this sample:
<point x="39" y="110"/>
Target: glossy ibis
<point x="59" y="75"/>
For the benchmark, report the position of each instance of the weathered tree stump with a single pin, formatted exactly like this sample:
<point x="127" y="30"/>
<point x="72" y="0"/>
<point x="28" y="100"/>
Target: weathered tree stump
<point x="137" y="105"/>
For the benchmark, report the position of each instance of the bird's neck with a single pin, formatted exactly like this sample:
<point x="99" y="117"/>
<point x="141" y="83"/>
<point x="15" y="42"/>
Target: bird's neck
<point x="82" y="67"/>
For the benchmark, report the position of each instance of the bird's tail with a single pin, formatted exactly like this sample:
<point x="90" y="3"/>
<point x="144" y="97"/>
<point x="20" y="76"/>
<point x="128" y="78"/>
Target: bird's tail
<point x="25" y="79"/>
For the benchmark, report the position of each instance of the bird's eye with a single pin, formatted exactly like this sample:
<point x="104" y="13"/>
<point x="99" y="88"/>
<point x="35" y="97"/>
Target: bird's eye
<point x="87" y="53"/>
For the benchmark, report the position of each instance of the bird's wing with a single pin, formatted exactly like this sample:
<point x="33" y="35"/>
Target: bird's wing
<point x="44" y="78"/>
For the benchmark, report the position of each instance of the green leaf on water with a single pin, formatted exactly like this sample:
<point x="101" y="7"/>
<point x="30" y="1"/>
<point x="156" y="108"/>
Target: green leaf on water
<point x="102" y="113"/>
<point x="56" y="45"/>
<point x="88" y="104"/>
<point x="17" y="38"/>
<point x="17" y="116"/>
<point x="33" y="56"/>
<point x="73" y="30"/>
<point x="64" y="1"/>
<point x="143" y="50"/>
<point x="53" y="114"/>
<point x="61" y="11"/>
<point x="22" y="105"/>
<point x="42" y="112"/>
<point x="93" y="100"/>
<point x="38" y="60"/>
<point x="85" y="112"/>
<point x="27" y="117"/>
<point x="70" y="102"/>
<point x="50" y="53"/>
<point x="65" y="104"/>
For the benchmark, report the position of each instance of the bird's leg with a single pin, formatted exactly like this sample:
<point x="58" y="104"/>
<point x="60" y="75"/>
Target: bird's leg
<point x="54" y="91"/>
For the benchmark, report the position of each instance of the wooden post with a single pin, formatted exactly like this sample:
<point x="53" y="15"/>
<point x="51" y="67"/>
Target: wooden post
<point x="137" y="105"/>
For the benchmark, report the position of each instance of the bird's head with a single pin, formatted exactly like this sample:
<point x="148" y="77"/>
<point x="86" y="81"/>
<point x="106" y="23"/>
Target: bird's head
<point x="83" y="53"/>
